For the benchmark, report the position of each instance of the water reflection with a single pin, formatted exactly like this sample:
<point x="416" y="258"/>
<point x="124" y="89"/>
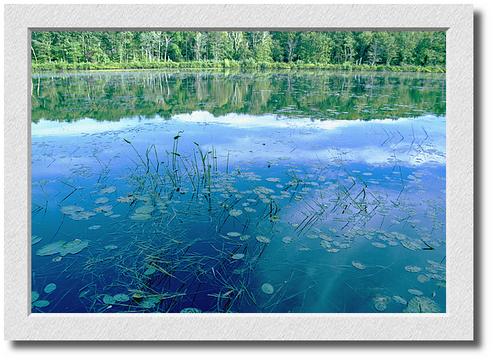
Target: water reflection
<point x="269" y="208"/>
<point x="322" y="95"/>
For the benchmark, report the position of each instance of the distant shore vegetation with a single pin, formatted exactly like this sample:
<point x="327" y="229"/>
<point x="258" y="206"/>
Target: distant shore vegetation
<point x="339" y="50"/>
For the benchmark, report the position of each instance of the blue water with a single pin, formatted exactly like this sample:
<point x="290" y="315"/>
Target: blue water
<point x="285" y="214"/>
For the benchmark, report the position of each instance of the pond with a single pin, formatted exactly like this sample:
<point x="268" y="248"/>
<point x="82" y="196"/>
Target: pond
<point x="302" y="192"/>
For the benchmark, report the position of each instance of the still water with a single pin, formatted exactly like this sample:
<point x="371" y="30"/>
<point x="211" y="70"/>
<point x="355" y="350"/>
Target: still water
<point x="238" y="192"/>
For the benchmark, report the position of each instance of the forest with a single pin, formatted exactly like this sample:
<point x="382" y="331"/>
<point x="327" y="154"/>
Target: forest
<point x="366" y="50"/>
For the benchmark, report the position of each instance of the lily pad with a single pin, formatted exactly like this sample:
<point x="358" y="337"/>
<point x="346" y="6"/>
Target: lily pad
<point x="287" y="239"/>
<point x="325" y="237"/>
<point x="412" y="268"/>
<point x="73" y="247"/>
<point x="358" y="265"/>
<point x="410" y="245"/>
<point x="237" y="256"/>
<point x="144" y="209"/>
<point x="379" y="245"/>
<point x="50" y="249"/>
<point x="150" y="270"/>
<point x="121" y="297"/>
<point x="71" y="209"/>
<point x="262" y="239"/>
<point x="35" y="239"/>
<point x="108" y="190"/>
<point x="104" y="209"/>
<point x="190" y="310"/>
<point x="49" y="288"/>
<point x="380" y="302"/>
<point x="109" y="300"/>
<point x="141" y="217"/>
<point x="235" y="213"/>
<point x="41" y="303"/>
<point x="267" y="288"/>
<point x="415" y="292"/>
<point x="399" y="299"/>
<point x="233" y="234"/>
<point x="34" y="296"/>
<point x="422" y="304"/>
<point x="326" y="245"/>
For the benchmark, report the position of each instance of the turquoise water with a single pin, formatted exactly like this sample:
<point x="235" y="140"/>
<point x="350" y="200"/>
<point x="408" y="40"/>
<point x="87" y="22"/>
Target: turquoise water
<point x="211" y="196"/>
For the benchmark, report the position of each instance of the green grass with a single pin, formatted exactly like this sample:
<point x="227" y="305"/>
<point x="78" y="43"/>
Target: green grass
<point x="229" y="64"/>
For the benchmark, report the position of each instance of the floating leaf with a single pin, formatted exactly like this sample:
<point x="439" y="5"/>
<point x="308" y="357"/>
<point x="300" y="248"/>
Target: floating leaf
<point x="410" y="245"/>
<point x="83" y="215"/>
<point x="49" y="288"/>
<point x="422" y="304"/>
<point x="379" y="245"/>
<point x="287" y="239"/>
<point x="190" y="310"/>
<point x="415" y="292"/>
<point x="50" y="249"/>
<point x="71" y="209"/>
<point x="141" y="217"/>
<point x="399" y="299"/>
<point x="238" y="256"/>
<point x="150" y="270"/>
<point x="235" y="213"/>
<point x="326" y="245"/>
<point x="262" y="239"/>
<point x="104" y="209"/>
<point x="358" y="265"/>
<point x="108" y="299"/>
<point x="64" y="248"/>
<point x="380" y="302"/>
<point x="233" y="234"/>
<point x="267" y="288"/>
<point x="412" y="268"/>
<point x="108" y="190"/>
<point x="34" y="296"/>
<point x="35" y="239"/>
<point x="144" y="209"/>
<point x="121" y="297"/>
<point x="41" y="303"/>
<point x="73" y="247"/>
<point x="325" y="237"/>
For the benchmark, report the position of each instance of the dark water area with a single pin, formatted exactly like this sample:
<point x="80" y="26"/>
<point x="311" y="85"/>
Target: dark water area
<point x="243" y="192"/>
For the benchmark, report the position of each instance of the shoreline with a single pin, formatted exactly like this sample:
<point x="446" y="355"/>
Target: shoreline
<point x="236" y="66"/>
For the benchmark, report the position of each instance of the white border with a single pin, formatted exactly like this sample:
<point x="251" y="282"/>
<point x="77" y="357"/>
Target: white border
<point x="456" y="324"/>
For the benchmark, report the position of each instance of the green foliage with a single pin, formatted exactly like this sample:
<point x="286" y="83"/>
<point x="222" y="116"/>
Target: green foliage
<point x="381" y="51"/>
<point x="307" y="93"/>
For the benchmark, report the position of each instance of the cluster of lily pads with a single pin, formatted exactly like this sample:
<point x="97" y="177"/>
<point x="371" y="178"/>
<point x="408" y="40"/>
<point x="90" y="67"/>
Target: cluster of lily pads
<point x="39" y="303"/>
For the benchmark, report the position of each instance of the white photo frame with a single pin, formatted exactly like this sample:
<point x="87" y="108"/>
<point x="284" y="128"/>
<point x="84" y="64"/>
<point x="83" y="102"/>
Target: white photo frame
<point x="456" y="324"/>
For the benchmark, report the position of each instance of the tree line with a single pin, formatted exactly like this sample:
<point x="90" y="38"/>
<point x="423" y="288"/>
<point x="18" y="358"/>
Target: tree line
<point x="372" y="48"/>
